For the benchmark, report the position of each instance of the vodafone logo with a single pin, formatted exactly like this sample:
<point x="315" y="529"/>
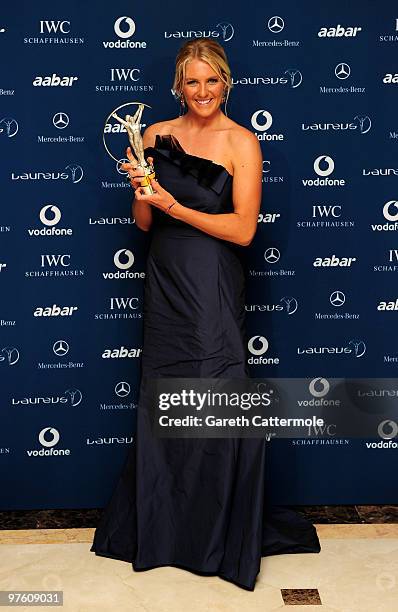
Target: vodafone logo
<point x="50" y="215"/>
<point x="124" y="27"/>
<point x="319" y="387"/>
<point x="389" y="206"/>
<point x="324" y="159"/>
<point x="259" y="340"/>
<point x="123" y="253"/>
<point x="48" y="438"/>
<point x="54" y="437"/>
<point x="263" y="126"/>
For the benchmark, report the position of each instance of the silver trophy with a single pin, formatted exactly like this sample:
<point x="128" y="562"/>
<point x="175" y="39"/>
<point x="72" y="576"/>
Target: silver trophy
<point x="132" y="123"/>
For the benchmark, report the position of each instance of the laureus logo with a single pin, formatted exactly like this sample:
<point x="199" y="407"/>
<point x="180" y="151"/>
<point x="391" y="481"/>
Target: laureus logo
<point x="8" y="127"/>
<point x="74" y="173"/>
<point x="227" y="30"/>
<point x="291" y="304"/>
<point x="74" y="395"/>
<point x="292" y="77"/>
<point x="223" y="30"/>
<point x="9" y="355"/>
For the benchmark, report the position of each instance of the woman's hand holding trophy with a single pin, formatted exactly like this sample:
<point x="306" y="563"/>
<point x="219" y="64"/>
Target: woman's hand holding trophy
<point x="135" y="172"/>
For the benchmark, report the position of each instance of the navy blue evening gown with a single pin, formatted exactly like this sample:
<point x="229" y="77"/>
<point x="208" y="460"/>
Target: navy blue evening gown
<point x="196" y="504"/>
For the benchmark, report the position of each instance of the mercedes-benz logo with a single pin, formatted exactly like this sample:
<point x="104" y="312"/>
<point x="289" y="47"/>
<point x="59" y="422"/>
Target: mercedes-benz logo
<point x="342" y="71"/>
<point x="60" y="120"/>
<point x="122" y="389"/>
<point x="60" y="348"/>
<point x="272" y="255"/>
<point x="121" y="161"/>
<point x="276" y="24"/>
<point x="337" y="298"/>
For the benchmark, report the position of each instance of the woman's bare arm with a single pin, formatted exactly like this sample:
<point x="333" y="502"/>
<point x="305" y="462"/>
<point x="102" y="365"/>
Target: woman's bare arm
<point x="142" y="211"/>
<point x="240" y="226"/>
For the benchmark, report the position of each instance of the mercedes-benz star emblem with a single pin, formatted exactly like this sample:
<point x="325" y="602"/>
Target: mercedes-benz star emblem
<point x="61" y="120"/>
<point x="122" y="389"/>
<point x="276" y="24"/>
<point x="342" y="71"/>
<point x="60" y="348"/>
<point x="337" y="298"/>
<point x="272" y="255"/>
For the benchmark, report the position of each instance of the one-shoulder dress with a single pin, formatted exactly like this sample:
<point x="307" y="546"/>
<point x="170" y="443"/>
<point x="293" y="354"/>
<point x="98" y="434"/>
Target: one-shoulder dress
<point x="196" y="504"/>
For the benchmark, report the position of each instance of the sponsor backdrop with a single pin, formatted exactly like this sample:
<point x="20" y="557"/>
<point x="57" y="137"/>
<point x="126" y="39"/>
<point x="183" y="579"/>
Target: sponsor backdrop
<point x="318" y="86"/>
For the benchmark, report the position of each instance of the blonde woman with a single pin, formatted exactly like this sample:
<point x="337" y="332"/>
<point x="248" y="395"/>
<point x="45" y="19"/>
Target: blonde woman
<point x="197" y="504"/>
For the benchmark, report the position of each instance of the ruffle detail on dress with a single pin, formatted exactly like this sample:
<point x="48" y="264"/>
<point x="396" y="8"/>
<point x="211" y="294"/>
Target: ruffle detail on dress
<point x="208" y="173"/>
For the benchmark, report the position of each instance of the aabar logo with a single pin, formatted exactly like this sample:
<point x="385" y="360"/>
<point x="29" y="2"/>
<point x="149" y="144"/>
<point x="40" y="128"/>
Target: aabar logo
<point x="122" y="352"/>
<point x="339" y="32"/>
<point x="54" y="81"/>
<point x="54" y="311"/>
<point x="333" y="262"/>
<point x="388" y="306"/>
<point x="390" y="78"/>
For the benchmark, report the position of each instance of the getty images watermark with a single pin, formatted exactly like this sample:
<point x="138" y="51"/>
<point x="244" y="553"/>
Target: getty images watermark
<point x="267" y="407"/>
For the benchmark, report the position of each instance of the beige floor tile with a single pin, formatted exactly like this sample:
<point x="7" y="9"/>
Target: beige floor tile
<point x="352" y="575"/>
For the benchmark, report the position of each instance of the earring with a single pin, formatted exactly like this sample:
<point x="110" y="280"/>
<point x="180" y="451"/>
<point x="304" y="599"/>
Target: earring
<point x="182" y="105"/>
<point x="225" y="99"/>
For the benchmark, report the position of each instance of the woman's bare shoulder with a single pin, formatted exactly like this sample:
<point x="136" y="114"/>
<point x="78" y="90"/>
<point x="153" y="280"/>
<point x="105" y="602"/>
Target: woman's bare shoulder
<point x="239" y="135"/>
<point x="161" y="127"/>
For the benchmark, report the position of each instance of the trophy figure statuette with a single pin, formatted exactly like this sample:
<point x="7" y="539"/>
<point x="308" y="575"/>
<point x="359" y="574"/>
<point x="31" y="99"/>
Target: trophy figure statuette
<point x="132" y="124"/>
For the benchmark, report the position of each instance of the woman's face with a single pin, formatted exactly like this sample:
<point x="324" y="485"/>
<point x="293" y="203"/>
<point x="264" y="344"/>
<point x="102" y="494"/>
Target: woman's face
<point x="202" y="89"/>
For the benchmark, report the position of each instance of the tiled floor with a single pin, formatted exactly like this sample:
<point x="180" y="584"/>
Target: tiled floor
<point x="356" y="571"/>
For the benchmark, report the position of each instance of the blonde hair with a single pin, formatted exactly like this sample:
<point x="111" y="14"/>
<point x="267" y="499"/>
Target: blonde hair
<point x="207" y="50"/>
